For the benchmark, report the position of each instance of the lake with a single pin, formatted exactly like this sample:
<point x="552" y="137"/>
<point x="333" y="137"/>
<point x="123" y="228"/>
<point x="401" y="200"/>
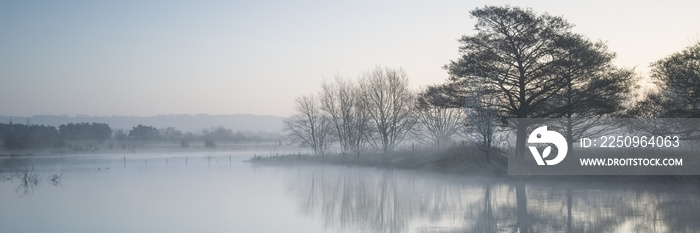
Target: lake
<point x="218" y="192"/>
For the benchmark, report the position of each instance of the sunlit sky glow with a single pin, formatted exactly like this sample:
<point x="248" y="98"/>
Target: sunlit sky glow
<point x="167" y="57"/>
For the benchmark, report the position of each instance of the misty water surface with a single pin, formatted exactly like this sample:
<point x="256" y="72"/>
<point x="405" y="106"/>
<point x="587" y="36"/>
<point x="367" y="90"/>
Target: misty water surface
<point x="207" y="192"/>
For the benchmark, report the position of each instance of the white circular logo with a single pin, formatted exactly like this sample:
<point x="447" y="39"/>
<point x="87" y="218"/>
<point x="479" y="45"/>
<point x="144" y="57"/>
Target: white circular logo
<point x="541" y="135"/>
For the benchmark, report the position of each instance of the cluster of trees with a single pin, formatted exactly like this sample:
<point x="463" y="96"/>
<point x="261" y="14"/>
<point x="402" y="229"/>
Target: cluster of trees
<point x="518" y="64"/>
<point x="20" y="136"/>
<point x="532" y="66"/>
<point x="374" y="110"/>
<point x="378" y="110"/>
<point x="150" y="133"/>
<point x="26" y="136"/>
<point x="144" y="133"/>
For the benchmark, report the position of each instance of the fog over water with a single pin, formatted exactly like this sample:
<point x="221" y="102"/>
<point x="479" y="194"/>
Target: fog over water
<point x="185" y="192"/>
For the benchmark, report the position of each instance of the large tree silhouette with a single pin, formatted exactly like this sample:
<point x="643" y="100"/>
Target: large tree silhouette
<point x="525" y="60"/>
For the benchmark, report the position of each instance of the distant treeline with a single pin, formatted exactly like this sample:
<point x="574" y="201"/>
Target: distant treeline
<point x="184" y="122"/>
<point x="19" y="136"/>
<point x="26" y="136"/>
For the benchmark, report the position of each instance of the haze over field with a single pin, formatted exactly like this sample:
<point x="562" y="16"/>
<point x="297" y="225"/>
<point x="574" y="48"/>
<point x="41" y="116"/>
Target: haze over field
<point x="161" y="57"/>
<point x="186" y="123"/>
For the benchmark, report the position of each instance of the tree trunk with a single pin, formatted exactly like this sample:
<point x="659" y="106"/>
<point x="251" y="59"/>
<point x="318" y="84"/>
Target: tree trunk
<point x="521" y="139"/>
<point x="569" y="134"/>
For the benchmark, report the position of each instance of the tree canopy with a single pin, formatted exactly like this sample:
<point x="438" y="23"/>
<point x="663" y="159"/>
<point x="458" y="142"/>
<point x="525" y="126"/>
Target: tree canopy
<point x="536" y="67"/>
<point x="143" y="132"/>
<point x="678" y="79"/>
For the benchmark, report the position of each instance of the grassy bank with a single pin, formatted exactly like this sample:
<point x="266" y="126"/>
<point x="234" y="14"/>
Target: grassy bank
<point x="462" y="160"/>
<point x="458" y="159"/>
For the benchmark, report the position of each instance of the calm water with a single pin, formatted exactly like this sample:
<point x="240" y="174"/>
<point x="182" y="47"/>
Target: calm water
<point x="208" y="192"/>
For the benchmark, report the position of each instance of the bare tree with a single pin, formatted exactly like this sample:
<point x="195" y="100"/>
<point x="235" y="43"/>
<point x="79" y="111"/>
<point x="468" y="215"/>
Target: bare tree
<point x="310" y="127"/>
<point x="437" y="124"/>
<point x="385" y="95"/>
<point x="482" y="119"/>
<point x="340" y="100"/>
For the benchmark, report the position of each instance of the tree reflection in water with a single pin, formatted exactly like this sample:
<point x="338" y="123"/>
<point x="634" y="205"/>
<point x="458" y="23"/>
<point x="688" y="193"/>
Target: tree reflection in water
<point x="379" y="200"/>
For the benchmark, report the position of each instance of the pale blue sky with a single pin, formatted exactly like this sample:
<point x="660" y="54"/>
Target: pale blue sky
<point x="166" y="57"/>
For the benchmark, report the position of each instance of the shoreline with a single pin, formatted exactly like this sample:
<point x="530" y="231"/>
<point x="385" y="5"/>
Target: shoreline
<point x="455" y="161"/>
<point x="452" y="160"/>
